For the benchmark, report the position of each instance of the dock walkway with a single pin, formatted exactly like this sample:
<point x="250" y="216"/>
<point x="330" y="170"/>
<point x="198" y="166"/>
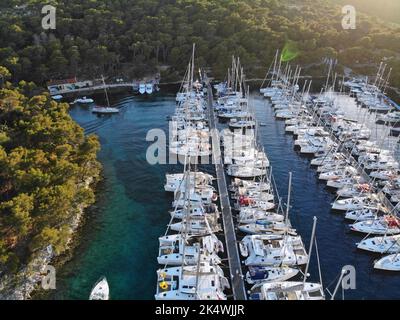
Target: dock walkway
<point x="238" y="288"/>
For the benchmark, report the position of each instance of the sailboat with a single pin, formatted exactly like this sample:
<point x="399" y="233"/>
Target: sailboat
<point x="201" y="282"/>
<point x="287" y="290"/>
<point x="108" y="109"/>
<point x="101" y="290"/>
<point x="389" y="263"/>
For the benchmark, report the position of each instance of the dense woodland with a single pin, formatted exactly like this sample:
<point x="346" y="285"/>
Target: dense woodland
<point x="45" y="159"/>
<point x="117" y="37"/>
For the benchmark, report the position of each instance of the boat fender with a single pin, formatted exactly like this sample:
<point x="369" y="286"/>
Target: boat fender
<point x="163" y="285"/>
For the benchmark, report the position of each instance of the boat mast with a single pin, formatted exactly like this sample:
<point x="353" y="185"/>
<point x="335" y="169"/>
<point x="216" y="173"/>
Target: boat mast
<point x="105" y="90"/>
<point x="310" y="250"/>
<point x="288" y="200"/>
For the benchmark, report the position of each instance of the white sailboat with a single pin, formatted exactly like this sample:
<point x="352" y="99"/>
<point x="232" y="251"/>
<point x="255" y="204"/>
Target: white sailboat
<point x="287" y="290"/>
<point x="100" y="291"/>
<point x="388" y="263"/>
<point x="108" y="109"/>
<point x="384" y="244"/>
<point x="201" y="282"/>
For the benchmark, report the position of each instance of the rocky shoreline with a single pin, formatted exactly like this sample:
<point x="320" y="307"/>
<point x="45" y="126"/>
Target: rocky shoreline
<point x="21" y="285"/>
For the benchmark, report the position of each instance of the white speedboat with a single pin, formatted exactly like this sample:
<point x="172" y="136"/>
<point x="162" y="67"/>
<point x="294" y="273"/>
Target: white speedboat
<point x="149" y="88"/>
<point x="287" y="290"/>
<point x="142" y="88"/>
<point x="100" y="291"/>
<point x="388" y="263"/>
<point x="83" y="100"/>
<point x="270" y="274"/>
<point x="57" y="97"/>
<point x="105" y="110"/>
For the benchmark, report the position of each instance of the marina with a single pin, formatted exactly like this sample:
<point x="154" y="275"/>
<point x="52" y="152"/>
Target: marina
<point x="219" y="152"/>
<point x="243" y="206"/>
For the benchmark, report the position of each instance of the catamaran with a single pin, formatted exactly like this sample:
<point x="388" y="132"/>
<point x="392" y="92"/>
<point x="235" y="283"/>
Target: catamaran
<point x="273" y="250"/>
<point x="178" y="249"/>
<point x="200" y="282"/>
<point x="287" y="290"/>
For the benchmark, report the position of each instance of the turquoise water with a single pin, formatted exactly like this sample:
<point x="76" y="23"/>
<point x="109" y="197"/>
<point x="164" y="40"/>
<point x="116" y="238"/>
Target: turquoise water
<point x="120" y="236"/>
<point x="119" y="239"/>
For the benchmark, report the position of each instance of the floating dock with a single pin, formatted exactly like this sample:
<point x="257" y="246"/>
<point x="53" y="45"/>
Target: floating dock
<point x="236" y="275"/>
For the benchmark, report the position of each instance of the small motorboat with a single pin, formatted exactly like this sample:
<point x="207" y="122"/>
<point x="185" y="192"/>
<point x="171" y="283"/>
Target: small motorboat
<point x="83" y="100"/>
<point x="57" y="97"/>
<point x="105" y="110"/>
<point x="142" y="88"/>
<point x="149" y="88"/>
<point x="100" y="291"/>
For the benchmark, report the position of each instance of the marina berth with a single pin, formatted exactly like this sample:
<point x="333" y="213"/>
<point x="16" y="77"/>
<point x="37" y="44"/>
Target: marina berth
<point x="350" y="157"/>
